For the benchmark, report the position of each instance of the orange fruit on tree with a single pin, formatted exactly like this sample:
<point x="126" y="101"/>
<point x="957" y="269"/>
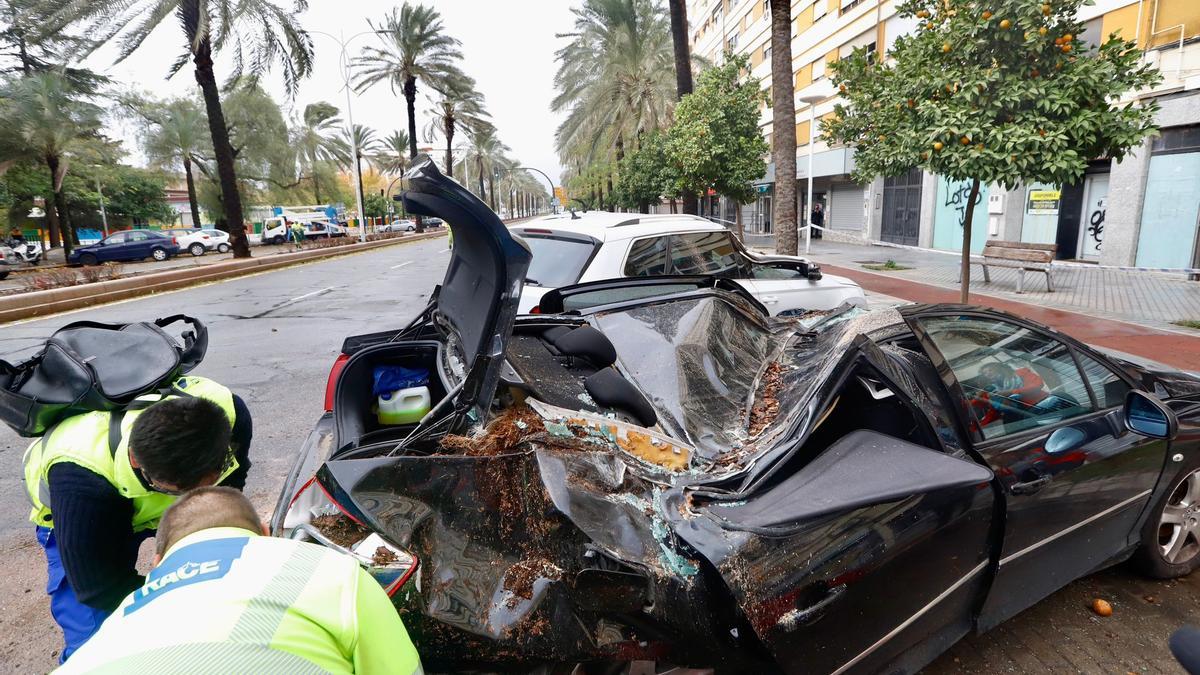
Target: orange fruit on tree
<point x="1034" y="73"/>
<point x="1042" y="132"/>
<point x="986" y="15"/>
<point x="965" y="141"/>
<point x="1005" y="24"/>
<point x="937" y="145"/>
<point x="1068" y="37"/>
<point x="1045" y="10"/>
<point x="1065" y="48"/>
<point x="1057" y="41"/>
<point x="911" y="103"/>
<point x="842" y="88"/>
<point x="946" y="48"/>
<point x="1042" y="30"/>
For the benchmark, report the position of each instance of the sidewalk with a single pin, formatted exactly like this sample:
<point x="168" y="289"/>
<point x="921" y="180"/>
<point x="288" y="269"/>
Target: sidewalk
<point x="1127" y="311"/>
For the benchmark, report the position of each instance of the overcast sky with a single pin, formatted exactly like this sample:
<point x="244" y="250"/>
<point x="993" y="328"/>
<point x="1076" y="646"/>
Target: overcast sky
<point x="508" y="47"/>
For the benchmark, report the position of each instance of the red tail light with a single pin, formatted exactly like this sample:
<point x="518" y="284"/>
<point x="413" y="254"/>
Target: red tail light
<point x="536" y="310"/>
<point x="174" y="241"/>
<point x="331" y="383"/>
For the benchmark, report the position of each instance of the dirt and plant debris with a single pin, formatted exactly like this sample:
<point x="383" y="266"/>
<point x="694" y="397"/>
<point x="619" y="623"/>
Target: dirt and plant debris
<point x="501" y="436"/>
<point x="339" y="529"/>
<point x="520" y="578"/>
<point x="766" y="405"/>
<point x="384" y="556"/>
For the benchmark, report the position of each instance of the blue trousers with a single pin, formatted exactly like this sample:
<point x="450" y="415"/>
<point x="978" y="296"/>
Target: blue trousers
<point x="77" y="620"/>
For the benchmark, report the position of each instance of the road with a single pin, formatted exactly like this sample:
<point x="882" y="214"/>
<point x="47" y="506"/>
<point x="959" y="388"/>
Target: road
<point x="273" y="337"/>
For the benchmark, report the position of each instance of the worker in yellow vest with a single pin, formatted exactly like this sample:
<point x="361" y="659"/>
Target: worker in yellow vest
<point x="100" y="481"/>
<point x="223" y="598"/>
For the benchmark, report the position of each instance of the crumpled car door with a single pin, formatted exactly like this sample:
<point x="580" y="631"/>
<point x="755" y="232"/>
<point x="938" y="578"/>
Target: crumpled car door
<point x="852" y="561"/>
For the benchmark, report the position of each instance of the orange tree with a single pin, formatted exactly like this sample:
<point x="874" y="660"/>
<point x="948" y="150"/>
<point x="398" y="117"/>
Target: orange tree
<point x="990" y="91"/>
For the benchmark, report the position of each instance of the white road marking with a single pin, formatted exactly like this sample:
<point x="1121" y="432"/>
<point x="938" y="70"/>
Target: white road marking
<point x="298" y="298"/>
<point x="445" y="250"/>
<point x="402" y="264"/>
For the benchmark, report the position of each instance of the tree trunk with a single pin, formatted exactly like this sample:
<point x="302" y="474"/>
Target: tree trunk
<point x="362" y="217"/>
<point x="479" y="164"/>
<point x="410" y="107"/>
<point x="741" y="227"/>
<point x="965" y="287"/>
<point x="193" y="203"/>
<point x="60" y="227"/>
<point x="783" y="131"/>
<point x="231" y="198"/>
<point x="683" y="71"/>
<point x="316" y="185"/>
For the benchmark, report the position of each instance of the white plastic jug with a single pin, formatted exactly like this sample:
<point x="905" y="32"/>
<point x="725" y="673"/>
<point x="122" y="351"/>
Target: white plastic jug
<point x="404" y="406"/>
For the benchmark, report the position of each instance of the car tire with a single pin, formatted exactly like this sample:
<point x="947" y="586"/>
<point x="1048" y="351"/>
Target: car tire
<point x="196" y="250"/>
<point x="223" y="248"/>
<point x="1155" y="557"/>
<point x="3" y="276"/>
<point x="88" y="260"/>
<point x="159" y="254"/>
<point x="277" y="239"/>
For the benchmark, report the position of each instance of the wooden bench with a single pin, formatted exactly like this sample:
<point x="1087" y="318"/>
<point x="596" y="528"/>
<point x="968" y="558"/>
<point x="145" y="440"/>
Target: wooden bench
<point x="1019" y="256"/>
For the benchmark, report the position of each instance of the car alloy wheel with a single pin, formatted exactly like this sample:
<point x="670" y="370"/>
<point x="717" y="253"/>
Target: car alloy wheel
<point x="196" y="249"/>
<point x="1179" y="521"/>
<point x="223" y="248"/>
<point x="87" y="260"/>
<point x="159" y="254"/>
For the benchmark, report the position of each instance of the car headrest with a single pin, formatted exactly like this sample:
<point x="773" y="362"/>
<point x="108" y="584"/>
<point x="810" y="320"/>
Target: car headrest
<point x="584" y="342"/>
<point x="610" y="389"/>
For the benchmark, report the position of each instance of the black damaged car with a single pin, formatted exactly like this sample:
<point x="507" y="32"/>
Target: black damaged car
<point x="654" y="474"/>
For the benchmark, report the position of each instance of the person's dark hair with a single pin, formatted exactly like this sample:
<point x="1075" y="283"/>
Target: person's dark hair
<point x="204" y="508"/>
<point x="180" y="441"/>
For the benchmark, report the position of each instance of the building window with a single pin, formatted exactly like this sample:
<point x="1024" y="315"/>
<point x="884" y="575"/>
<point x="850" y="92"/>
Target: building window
<point x="820" y="7"/>
<point x="716" y="15"/>
<point x="732" y="44"/>
<point x="818" y="69"/>
<point x="872" y="55"/>
<point x="1178" y="139"/>
<point x="767" y="52"/>
<point x="848" y="5"/>
<point x="766" y="6"/>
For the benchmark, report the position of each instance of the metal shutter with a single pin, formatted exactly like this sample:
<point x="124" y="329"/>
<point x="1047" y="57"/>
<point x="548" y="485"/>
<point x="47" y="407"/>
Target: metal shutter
<point x="845" y="208"/>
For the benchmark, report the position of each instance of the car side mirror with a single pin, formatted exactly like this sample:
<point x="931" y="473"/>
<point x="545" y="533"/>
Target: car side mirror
<point x="814" y="272"/>
<point x="1148" y="416"/>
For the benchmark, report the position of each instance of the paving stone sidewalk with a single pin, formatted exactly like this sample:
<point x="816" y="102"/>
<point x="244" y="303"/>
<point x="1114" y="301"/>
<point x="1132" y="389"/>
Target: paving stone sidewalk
<point x="1150" y="299"/>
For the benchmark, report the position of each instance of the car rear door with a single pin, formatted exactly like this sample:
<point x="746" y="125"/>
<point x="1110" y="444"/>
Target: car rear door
<point x="872" y="556"/>
<point x="1046" y="416"/>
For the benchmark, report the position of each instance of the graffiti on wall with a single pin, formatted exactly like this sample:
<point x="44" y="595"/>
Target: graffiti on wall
<point x="957" y="197"/>
<point x="1095" y="223"/>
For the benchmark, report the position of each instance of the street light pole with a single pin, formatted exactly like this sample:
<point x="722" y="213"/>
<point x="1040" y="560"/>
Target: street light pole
<point x="103" y="215"/>
<point x="812" y="102"/>
<point x="344" y="62"/>
<point x="542" y="173"/>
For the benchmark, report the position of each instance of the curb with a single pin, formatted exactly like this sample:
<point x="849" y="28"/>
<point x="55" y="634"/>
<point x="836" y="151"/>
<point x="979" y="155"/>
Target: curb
<point x="39" y="303"/>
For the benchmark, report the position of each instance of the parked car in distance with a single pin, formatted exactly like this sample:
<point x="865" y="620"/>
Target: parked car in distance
<point x="399" y="226"/>
<point x="219" y="239"/>
<point x="685" y="481"/>
<point x="276" y="230"/>
<point x="570" y="248"/>
<point x="9" y="261"/>
<point x="191" y="239"/>
<point x="126" y="246"/>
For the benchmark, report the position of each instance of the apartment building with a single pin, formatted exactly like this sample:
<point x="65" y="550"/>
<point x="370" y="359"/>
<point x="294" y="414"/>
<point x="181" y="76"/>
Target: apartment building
<point x="1143" y="210"/>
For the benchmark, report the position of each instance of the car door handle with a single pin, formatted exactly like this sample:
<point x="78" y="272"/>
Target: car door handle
<point x="804" y="616"/>
<point x="1029" y="487"/>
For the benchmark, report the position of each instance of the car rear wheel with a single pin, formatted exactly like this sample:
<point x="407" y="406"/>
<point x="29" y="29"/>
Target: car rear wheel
<point x="159" y="254"/>
<point x="1171" y="536"/>
<point x="88" y="260"/>
<point x="277" y="239"/>
<point x="196" y="250"/>
<point x="3" y="276"/>
<point x="223" y="248"/>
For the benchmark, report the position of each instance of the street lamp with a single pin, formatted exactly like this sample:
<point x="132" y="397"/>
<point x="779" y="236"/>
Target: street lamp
<point x="530" y="168"/>
<point x="344" y="62"/>
<point x="812" y="100"/>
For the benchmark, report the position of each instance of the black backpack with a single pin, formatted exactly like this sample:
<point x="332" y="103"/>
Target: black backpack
<point x="87" y="366"/>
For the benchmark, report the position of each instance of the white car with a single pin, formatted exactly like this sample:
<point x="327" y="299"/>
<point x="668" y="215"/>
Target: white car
<point x="220" y="240"/>
<point x="572" y="248"/>
<point x="192" y="240"/>
<point x="399" y="226"/>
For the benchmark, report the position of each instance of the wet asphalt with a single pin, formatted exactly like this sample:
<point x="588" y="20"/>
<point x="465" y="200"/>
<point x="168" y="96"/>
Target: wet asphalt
<point x="272" y="339"/>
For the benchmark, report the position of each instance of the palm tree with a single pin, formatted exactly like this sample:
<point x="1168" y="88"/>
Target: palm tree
<point x="783" y="130"/>
<point x="45" y="115"/>
<point x="176" y="136"/>
<point x="460" y="107"/>
<point x="683" y="70"/>
<point x="316" y="141"/>
<point x="485" y="157"/>
<point x="415" y="48"/>
<point x="361" y="141"/>
<point x="615" y="77"/>
<point x="392" y="156"/>
<point x="259" y="32"/>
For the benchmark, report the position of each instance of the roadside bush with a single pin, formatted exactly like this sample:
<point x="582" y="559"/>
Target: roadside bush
<point x="56" y="278"/>
<point x="105" y="272"/>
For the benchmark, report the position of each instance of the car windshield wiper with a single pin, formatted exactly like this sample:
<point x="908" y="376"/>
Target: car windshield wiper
<point x="532" y="282"/>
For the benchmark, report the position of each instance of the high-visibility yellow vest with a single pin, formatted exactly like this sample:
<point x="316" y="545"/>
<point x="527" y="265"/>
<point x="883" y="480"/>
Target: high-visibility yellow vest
<point x="84" y="440"/>
<point x="225" y="600"/>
